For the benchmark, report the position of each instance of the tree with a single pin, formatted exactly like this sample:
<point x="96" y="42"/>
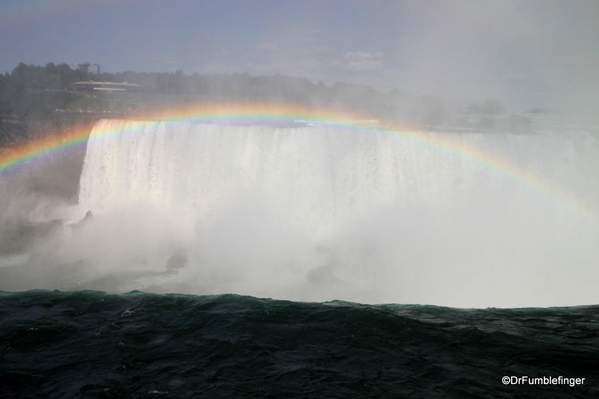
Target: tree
<point x="488" y="107"/>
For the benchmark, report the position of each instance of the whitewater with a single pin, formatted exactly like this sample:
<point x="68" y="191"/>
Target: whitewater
<point x="312" y="212"/>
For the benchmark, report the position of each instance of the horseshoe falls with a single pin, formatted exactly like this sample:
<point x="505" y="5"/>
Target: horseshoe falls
<point x="313" y="212"/>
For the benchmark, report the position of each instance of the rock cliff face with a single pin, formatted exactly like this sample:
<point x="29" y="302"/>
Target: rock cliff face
<point x="41" y="127"/>
<point x="55" y="178"/>
<point x="12" y="130"/>
<point x="26" y="193"/>
<point x="15" y="131"/>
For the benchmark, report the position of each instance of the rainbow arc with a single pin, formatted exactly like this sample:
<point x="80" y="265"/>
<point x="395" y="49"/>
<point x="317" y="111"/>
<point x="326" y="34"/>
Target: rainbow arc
<point x="58" y="144"/>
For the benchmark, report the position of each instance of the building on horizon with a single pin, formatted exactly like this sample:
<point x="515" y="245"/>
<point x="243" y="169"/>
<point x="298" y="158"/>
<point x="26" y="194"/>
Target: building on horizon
<point x="106" y="86"/>
<point x="86" y="67"/>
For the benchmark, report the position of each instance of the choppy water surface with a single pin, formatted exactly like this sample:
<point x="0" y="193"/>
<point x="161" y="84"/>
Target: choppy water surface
<point x="96" y="345"/>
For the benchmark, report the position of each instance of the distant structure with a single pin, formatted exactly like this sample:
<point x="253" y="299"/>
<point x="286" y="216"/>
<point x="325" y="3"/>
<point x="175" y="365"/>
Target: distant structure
<point x="86" y="67"/>
<point x="106" y="86"/>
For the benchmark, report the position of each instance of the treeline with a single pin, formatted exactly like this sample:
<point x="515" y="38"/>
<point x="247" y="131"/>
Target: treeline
<point x="36" y="90"/>
<point x="488" y="107"/>
<point x="396" y="105"/>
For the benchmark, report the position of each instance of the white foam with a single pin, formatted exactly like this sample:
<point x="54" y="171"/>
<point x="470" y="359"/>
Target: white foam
<point x="318" y="213"/>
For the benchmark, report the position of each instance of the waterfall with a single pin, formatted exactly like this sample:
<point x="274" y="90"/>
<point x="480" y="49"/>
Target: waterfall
<point x="323" y="212"/>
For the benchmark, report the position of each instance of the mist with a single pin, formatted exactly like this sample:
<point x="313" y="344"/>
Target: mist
<point x="315" y="213"/>
<point x="302" y="211"/>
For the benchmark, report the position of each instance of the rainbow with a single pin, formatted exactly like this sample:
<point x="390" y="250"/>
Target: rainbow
<point x="55" y="145"/>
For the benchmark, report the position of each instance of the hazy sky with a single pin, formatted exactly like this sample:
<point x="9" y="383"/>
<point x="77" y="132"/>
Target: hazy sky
<point x="525" y="53"/>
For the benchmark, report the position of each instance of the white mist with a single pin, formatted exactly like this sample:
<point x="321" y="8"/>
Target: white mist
<point x="322" y="213"/>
